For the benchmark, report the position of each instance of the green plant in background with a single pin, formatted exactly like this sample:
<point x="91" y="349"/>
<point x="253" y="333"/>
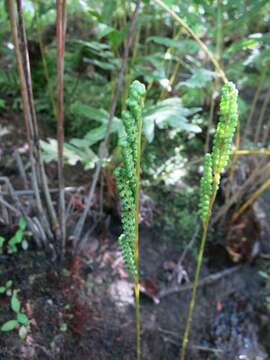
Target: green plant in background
<point x="128" y="185"/>
<point x="16" y="240"/>
<point x="214" y="164"/>
<point x="21" y="320"/>
<point x="6" y="288"/>
<point x="2" y="240"/>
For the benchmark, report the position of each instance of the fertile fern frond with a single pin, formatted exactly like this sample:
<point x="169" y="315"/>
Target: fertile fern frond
<point x="226" y="128"/>
<point x="127" y="176"/>
<point x="216" y="162"/>
<point x="206" y="187"/>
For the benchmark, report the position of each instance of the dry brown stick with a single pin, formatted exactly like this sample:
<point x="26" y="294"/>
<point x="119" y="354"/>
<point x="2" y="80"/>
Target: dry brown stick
<point x="26" y="109"/>
<point x="60" y="40"/>
<point x="22" y="211"/>
<point x="191" y="346"/>
<point x="31" y="116"/>
<point x="29" y="192"/>
<point x="103" y="147"/>
<point x="206" y="281"/>
<point x="240" y="191"/>
<point x="261" y="117"/>
<point x="36" y="142"/>
<point x="8" y="206"/>
<point x="21" y="169"/>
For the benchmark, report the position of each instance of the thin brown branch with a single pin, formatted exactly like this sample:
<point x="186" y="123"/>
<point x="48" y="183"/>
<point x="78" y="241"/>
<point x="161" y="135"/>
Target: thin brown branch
<point x="60" y="39"/>
<point x="206" y="281"/>
<point x="23" y="65"/>
<point x="21" y="169"/>
<point x="25" y="103"/>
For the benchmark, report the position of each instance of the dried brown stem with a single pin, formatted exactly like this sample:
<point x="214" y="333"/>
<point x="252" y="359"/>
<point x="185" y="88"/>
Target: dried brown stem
<point x="23" y="66"/>
<point x="206" y="281"/>
<point x="60" y="39"/>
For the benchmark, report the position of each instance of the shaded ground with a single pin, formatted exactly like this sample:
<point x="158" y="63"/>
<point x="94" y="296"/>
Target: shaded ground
<point x="93" y="297"/>
<point x="86" y="311"/>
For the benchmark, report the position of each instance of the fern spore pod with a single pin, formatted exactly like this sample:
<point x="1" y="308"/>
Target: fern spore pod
<point x="206" y="187"/>
<point x="226" y="128"/>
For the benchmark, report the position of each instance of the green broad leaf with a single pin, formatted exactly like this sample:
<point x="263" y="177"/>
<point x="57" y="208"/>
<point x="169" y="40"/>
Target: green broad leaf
<point x="185" y="46"/>
<point x="93" y="45"/>
<point x="22" y="319"/>
<point x="103" y="30"/>
<point x="8" y="284"/>
<point x="199" y="79"/>
<point x="17" y="238"/>
<point x="2" y="240"/>
<point x="9" y="325"/>
<point x="15" y="302"/>
<point x="2" y="289"/>
<point x="2" y="104"/>
<point x="105" y="65"/>
<point x="169" y="113"/>
<point x="78" y="150"/>
<point x="149" y="130"/>
<point x="79" y="109"/>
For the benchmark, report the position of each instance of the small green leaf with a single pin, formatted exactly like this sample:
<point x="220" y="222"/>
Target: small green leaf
<point x="8" y="284"/>
<point x="15" y="302"/>
<point x="9" y="325"/>
<point x="22" y="319"/>
<point x="2" y="240"/>
<point x="22" y="223"/>
<point x="2" y="289"/>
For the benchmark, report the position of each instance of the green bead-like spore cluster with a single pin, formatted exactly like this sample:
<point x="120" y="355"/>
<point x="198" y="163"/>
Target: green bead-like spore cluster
<point x="226" y="128"/>
<point x="216" y="162"/>
<point x="126" y="175"/>
<point x="206" y="187"/>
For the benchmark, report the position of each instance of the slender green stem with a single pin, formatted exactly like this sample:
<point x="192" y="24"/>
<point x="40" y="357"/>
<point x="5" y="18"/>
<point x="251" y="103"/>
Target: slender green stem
<point x="137" y="276"/>
<point x="197" y="275"/>
<point x="194" y="290"/>
<point x="138" y="319"/>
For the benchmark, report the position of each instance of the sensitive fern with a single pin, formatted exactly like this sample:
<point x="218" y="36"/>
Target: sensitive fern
<point x="226" y="128"/>
<point x="214" y="164"/>
<point x="206" y="187"/>
<point x="127" y="176"/>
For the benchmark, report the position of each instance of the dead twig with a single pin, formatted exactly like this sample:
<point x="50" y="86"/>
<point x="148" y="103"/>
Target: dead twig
<point x="61" y="19"/>
<point x="206" y="281"/>
<point x="191" y="346"/>
<point x="37" y="235"/>
<point x="23" y="66"/>
<point x="21" y="169"/>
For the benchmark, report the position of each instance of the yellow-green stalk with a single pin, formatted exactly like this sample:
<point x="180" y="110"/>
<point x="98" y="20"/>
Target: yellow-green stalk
<point x="128" y="185"/>
<point x="214" y="164"/>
